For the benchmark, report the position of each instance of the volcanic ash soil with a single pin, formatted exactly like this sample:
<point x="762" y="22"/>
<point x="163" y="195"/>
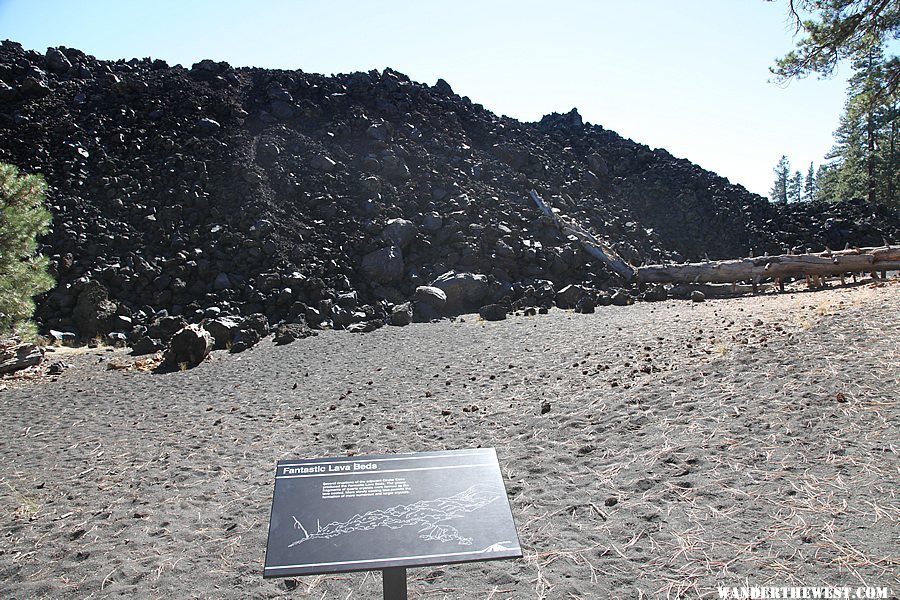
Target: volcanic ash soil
<point x="655" y="450"/>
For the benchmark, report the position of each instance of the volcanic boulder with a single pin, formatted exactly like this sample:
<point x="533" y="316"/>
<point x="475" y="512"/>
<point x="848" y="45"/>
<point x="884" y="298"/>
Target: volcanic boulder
<point x="402" y="314"/>
<point x="189" y="347"/>
<point x="384" y="265"/>
<point x="94" y="311"/>
<point x="465" y="291"/>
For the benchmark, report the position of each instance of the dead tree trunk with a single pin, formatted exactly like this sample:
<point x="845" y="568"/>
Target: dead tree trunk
<point x="15" y="356"/>
<point x="596" y="248"/>
<point x="753" y="270"/>
<point x="863" y="260"/>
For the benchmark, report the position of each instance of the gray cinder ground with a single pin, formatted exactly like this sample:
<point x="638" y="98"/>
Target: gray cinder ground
<point x="655" y="450"/>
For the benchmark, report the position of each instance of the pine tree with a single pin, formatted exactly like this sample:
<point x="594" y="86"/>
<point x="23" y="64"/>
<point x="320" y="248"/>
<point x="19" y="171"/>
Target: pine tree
<point x="865" y="161"/>
<point x="887" y="153"/>
<point x="795" y="187"/>
<point x="836" y="30"/>
<point x="23" y="273"/>
<point x="779" y="193"/>
<point x="827" y="182"/>
<point x="809" y="185"/>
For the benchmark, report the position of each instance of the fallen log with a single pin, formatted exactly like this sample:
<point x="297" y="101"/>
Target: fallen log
<point x="15" y="356"/>
<point x="753" y="270"/>
<point x="862" y="260"/>
<point x="596" y="248"/>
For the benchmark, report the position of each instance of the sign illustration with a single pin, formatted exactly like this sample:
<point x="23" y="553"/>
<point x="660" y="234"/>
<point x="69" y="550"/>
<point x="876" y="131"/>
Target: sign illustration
<point x="333" y="515"/>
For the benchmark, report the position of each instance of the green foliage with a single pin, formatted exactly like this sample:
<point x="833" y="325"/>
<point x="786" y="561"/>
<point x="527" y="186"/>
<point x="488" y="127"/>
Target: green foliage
<point x="810" y="184"/>
<point x="865" y="161"/>
<point x="795" y="187"/>
<point x="838" y="30"/>
<point x="23" y="273"/>
<point x="779" y="193"/>
<point x="787" y="187"/>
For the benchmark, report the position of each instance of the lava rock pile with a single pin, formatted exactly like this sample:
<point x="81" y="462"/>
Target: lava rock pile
<point x="213" y="194"/>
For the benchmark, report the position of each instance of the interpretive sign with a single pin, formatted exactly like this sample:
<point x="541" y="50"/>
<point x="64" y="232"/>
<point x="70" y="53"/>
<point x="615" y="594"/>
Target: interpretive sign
<point x="360" y="513"/>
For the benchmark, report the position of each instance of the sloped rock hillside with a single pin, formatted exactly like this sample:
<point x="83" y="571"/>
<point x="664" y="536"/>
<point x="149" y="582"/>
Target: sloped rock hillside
<point x="189" y="194"/>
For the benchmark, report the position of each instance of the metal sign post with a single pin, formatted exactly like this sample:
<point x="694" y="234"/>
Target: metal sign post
<point x="394" y="583"/>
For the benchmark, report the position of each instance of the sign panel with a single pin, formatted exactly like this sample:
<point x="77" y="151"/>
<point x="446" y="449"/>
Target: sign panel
<point x="360" y="513"/>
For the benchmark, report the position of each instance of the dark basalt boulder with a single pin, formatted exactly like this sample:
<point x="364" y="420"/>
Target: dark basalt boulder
<point x="183" y="192"/>
<point x="94" y="311"/>
<point x="384" y="265"/>
<point x="286" y="333"/>
<point x="188" y="348"/>
<point x="464" y="291"/>
<point x="147" y="345"/>
<point x="222" y="330"/>
<point x="493" y="312"/>
<point x="402" y="314"/>
<point x="586" y="304"/>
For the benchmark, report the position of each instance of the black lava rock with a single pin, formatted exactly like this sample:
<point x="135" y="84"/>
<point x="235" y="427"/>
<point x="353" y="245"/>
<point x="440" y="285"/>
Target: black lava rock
<point x="188" y="194"/>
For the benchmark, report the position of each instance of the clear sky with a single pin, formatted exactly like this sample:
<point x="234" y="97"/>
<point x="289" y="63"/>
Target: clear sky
<point x="690" y="76"/>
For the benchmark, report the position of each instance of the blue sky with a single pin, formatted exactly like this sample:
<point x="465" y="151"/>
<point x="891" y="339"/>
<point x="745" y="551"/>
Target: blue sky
<point x="690" y="76"/>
